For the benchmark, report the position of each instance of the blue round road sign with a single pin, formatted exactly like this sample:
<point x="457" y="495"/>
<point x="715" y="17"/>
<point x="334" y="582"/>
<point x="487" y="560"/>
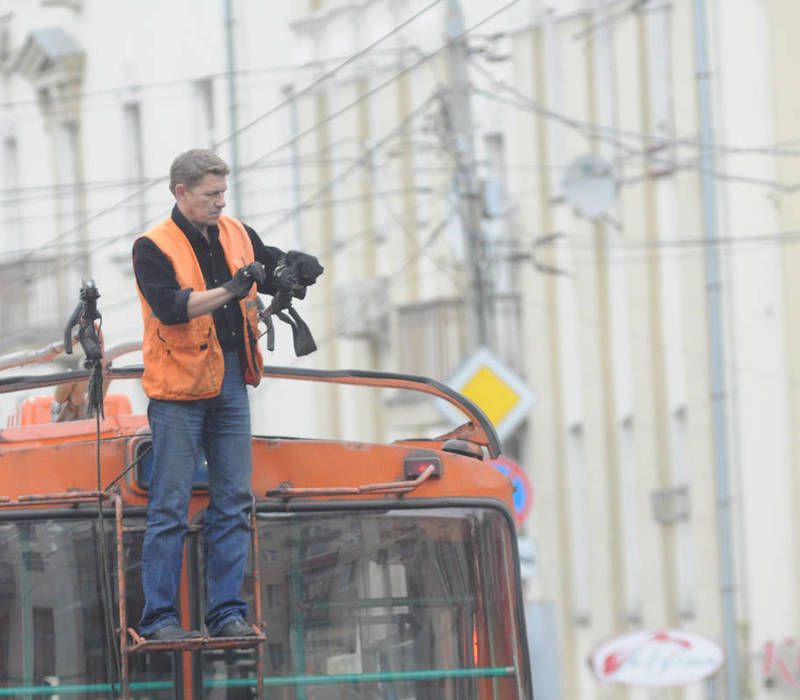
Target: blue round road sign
<point x="523" y="491"/>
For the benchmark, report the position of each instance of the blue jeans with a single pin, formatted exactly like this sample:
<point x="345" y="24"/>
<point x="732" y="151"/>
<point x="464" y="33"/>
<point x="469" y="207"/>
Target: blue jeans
<point x="220" y="426"/>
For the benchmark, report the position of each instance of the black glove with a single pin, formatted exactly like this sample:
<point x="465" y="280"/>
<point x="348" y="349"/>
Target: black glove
<point x="307" y="267"/>
<point x="239" y="285"/>
<point x="284" y="276"/>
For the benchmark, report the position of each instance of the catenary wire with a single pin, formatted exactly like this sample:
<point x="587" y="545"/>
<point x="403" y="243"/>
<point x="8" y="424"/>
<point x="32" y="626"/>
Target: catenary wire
<point x="283" y="213"/>
<point x="247" y="126"/>
<point x="398" y="75"/>
<point x="102" y="242"/>
<point x="395" y="77"/>
<point x="613" y="134"/>
<point x="353" y="166"/>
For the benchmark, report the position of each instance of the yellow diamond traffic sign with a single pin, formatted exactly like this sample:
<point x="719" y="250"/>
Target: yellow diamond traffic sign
<point x="500" y="393"/>
<point x="495" y="397"/>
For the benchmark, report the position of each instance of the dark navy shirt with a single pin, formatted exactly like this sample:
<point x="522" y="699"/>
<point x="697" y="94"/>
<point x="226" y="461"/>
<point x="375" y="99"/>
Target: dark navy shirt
<point x="155" y="276"/>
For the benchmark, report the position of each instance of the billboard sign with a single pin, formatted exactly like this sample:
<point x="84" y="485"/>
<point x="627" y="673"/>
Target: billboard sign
<point x="657" y="658"/>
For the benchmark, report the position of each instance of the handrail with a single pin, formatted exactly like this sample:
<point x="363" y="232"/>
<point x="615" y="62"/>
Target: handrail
<point x="27" y="357"/>
<point x="52" y="498"/>
<point x="487" y="434"/>
<point x="373" y="677"/>
<point x="370" y="677"/>
<point x="81" y="688"/>
<point x="287" y="491"/>
<point x="483" y="433"/>
<point x="49" y="352"/>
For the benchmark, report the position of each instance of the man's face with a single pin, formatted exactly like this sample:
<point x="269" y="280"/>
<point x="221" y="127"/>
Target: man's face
<point x="203" y="203"/>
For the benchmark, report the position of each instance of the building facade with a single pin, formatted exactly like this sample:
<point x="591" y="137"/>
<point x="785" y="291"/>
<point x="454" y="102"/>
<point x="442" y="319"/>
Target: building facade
<point x="602" y="193"/>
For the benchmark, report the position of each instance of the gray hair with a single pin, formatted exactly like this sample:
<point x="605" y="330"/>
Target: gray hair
<point x="192" y="166"/>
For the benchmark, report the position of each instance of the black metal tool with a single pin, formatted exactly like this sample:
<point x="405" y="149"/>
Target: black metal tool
<point x="84" y="317"/>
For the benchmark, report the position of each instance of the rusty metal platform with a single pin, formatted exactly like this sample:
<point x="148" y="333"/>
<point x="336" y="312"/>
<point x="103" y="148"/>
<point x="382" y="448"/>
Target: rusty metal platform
<point x="141" y="644"/>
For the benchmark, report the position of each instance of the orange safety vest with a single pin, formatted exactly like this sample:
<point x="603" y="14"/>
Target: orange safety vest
<point x="184" y="361"/>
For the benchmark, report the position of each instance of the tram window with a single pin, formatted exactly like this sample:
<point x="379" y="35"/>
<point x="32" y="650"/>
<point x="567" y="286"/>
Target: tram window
<point x="401" y="604"/>
<point x="53" y="630"/>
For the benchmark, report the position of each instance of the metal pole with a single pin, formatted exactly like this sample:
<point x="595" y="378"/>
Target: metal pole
<point x="288" y="92"/>
<point x="26" y="606"/>
<point x="470" y="202"/>
<point x="715" y="330"/>
<point x="232" y="106"/>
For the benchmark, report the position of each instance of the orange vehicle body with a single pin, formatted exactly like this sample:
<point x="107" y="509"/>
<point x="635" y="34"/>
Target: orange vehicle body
<point x="43" y="460"/>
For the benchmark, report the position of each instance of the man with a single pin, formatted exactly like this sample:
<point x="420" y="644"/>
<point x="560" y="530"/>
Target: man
<point x="197" y="275"/>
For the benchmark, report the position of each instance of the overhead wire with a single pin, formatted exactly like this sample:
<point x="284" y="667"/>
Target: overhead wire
<point x="589" y="129"/>
<point x="437" y="230"/>
<point x="382" y="196"/>
<point x="616" y="252"/>
<point x="182" y="81"/>
<point x="66" y="258"/>
<point x="245" y="127"/>
<point x="133" y="88"/>
<point x="352" y="166"/>
<point x="369" y="93"/>
<point x="240" y="72"/>
<point x="551" y="306"/>
<point x="362" y="160"/>
<point x="329" y="74"/>
<point x="59" y="189"/>
<point x="762" y="150"/>
<point x="316" y="126"/>
<point x="284" y="212"/>
<point x="686" y="142"/>
<point x="31" y="194"/>
<point x="387" y="282"/>
<point x="339" y="245"/>
<point x="610" y="17"/>
<point x="613" y="135"/>
<point x="79" y="246"/>
<point x="336" y="247"/>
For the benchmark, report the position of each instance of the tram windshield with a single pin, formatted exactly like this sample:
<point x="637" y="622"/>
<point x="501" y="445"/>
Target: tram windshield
<point x="402" y="603"/>
<point x="58" y="614"/>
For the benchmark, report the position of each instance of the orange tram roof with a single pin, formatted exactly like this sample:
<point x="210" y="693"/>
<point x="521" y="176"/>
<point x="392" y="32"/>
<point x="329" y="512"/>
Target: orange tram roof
<point x="50" y="458"/>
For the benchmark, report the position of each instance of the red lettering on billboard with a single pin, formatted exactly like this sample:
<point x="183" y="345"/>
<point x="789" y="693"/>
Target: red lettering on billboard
<point x="782" y="661"/>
